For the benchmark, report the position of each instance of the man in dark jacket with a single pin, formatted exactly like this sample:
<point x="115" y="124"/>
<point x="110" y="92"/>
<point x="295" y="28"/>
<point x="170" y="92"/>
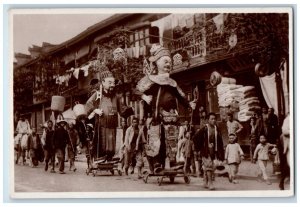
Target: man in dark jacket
<point x="208" y="141"/>
<point x="34" y="145"/>
<point x="47" y="142"/>
<point x="60" y="140"/>
<point x="272" y="126"/>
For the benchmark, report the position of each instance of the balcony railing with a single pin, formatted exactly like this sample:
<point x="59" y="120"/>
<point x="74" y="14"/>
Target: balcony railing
<point x="194" y="43"/>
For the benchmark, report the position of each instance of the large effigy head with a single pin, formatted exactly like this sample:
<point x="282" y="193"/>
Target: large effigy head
<point x="160" y="59"/>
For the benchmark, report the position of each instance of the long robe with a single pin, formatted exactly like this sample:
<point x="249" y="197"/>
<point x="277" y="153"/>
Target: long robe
<point x="104" y="140"/>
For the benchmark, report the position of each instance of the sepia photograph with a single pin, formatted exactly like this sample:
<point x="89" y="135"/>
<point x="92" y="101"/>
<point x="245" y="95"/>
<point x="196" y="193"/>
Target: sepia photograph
<point x="122" y="103"/>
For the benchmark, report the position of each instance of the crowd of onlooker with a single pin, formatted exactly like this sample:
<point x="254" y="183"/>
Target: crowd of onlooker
<point x="202" y="149"/>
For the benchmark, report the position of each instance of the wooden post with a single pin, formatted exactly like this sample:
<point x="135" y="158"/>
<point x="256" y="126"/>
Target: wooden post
<point x="280" y="101"/>
<point x="141" y="110"/>
<point x="43" y="113"/>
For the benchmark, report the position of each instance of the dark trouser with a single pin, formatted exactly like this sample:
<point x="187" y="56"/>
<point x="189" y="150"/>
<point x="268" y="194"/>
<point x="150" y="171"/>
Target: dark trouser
<point x="60" y="153"/>
<point x="130" y="159"/>
<point x="253" y="143"/>
<point x="153" y="162"/>
<point x="71" y="155"/>
<point x="188" y="162"/>
<point x="33" y="157"/>
<point x="49" y="156"/>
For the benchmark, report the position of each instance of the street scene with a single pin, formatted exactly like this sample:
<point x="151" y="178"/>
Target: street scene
<point x="37" y="180"/>
<point x="134" y="102"/>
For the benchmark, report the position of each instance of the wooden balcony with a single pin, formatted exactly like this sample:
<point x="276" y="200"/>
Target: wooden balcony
<point x="203" y="49"/>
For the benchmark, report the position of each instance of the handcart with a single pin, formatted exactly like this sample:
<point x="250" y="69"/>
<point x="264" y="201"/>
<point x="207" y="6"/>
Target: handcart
<point x="104" y="165"/>
<point x="101" y="164"/>
<point x="170" y="173"/>
<point x="175" y="168"/>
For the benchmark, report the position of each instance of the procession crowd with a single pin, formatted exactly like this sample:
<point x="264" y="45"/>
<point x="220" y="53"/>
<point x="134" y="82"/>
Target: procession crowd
<point x="200" y="150"/>
<point x="55" y="147"/>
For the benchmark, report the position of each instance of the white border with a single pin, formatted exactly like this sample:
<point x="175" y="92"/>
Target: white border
<point x="157" y="194"/>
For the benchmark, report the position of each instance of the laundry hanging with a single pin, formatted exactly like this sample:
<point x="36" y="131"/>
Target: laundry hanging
<point x="190" y="20"/>
<point x="181" y="20"/>
<point x="85" y="70"/>
<point x="67" y="79"/>
<point x="164" y="25"/>
<point x="219" y="22"/>
<point x="136" y="51"/>
<point x="76" y="73"/>
<point x="141" y="51"/>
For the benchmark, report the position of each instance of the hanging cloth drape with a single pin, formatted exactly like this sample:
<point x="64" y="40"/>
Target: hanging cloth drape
<point x="268" y="87"/>
<point x="284" y="78"/>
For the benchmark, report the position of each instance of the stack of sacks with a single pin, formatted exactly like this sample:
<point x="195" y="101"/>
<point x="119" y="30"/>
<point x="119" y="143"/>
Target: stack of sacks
<point x="238" y="98"/>
<point x="244" y="92"/>
<point x="245" y="115"/>
<point x="227" y="94"/>
<point x="249" y="104"/>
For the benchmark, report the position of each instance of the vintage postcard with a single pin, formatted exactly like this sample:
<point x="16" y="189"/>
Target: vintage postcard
<point x="139" y="103"/>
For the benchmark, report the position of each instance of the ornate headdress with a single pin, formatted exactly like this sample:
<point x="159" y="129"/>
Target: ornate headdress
<point x="103" y="70"/>
<point x="158" y="51"/>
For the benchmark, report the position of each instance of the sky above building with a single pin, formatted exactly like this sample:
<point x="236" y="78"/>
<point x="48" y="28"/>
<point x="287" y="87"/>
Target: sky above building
<point x="34" y="29"/>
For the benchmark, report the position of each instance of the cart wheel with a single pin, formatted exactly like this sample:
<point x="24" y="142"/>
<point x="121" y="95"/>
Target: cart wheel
<point x="120" y="172"/>
<point x="172" y="179"/>
<point x="159" y="180"/>
<point x="145" y="178"/>
<point x="187" y="179"/>
<point x="112" y="172"/>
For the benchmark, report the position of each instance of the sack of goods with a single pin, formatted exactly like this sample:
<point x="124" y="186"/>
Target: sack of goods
<point x="238" y="98"/>
<point x="227" y="93"/>
<point x="249" y="104"/>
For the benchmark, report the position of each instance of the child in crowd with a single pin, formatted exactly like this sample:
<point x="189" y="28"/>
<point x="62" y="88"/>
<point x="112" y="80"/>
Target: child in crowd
<point x="188" y="154"/>
<point x="261" y="155"/>
<point x="72" y="146"/>
<point x="34" y="145"/>
<point x="121" y="153"/>
<point x="233" y="156"/>
<point x="141" y="141"/>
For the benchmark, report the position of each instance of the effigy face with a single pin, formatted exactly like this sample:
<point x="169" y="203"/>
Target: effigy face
<point x="164" y="65"/>
<point x="109" y="83"/>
